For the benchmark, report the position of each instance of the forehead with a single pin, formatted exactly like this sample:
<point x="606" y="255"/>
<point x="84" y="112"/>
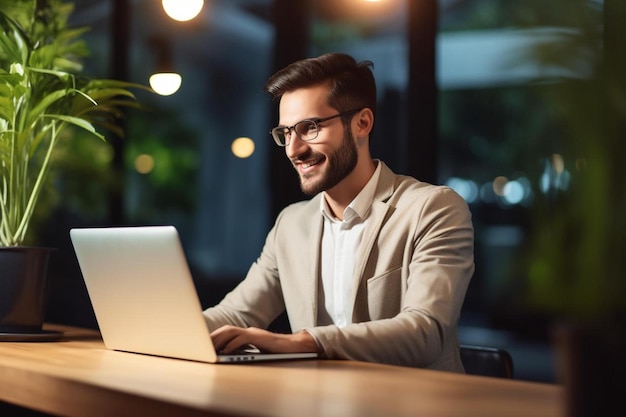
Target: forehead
<point x="303" y="103"/>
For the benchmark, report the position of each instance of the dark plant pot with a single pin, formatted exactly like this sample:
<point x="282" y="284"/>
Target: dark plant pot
<point x="24" y="289"/>
<point x="591" y="366"/>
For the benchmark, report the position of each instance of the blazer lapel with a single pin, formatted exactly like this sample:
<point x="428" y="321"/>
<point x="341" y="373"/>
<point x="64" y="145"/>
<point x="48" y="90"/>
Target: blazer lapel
<point x="314" y="251"/>
<point x="374" y="223"/>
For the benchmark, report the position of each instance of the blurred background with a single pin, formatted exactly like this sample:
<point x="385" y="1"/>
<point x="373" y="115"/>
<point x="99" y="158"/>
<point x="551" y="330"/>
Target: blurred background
<point x="462" y="101"/>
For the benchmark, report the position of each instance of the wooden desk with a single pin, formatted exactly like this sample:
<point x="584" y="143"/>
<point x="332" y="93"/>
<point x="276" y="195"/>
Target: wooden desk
<point x="80" y="377"/>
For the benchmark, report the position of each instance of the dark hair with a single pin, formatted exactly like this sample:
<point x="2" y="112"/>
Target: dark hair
<point x="351" y="84"/>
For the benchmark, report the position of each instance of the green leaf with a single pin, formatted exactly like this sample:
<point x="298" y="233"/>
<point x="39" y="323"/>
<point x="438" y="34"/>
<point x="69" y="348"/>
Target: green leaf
<point x="106" y="93"/>
<point x="76" y="121"/>
<point x="6" y="108"/>
<point x="62" y="75"/>
<point x="43" y="105"/>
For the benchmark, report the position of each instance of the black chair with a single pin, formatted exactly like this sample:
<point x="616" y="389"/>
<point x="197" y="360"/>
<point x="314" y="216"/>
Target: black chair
<point x="487" y="361"/>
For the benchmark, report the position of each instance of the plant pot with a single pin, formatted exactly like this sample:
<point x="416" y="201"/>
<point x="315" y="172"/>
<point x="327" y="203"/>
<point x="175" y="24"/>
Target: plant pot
<point x="591" y="366"/>
<point x="24" y="291"/>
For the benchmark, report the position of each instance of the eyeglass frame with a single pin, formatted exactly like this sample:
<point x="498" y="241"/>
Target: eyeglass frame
<point x="316" y="121"/>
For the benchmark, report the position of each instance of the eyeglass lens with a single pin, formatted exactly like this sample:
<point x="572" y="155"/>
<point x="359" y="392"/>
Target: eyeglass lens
<point x="306" y="130"/>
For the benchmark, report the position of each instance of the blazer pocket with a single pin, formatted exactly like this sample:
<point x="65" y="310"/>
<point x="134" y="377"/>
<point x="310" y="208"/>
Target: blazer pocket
<point x="384" y="295"/>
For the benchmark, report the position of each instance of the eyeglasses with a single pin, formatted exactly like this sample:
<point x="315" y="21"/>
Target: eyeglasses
<point x="307" y="129"/>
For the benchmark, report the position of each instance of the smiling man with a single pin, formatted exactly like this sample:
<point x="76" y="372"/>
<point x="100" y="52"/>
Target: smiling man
<point x="375" y="266"/>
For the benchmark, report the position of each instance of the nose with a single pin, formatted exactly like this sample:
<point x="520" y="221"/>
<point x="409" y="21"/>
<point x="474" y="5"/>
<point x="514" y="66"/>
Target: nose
<point x="296" y="146"/>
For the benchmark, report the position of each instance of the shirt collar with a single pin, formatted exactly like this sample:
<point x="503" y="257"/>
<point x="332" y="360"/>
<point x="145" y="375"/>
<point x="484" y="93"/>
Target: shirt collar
<point x="362" y="203"/>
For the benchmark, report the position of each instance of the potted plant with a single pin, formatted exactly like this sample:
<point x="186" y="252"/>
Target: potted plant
<point x="576" y="261"/>
<point x="43" y="96"/>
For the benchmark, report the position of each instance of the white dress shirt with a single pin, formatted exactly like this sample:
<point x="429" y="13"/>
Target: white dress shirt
<point x="340" y="244"/>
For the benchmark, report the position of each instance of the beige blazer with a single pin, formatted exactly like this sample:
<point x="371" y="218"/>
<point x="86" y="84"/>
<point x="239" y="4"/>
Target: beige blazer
<point x="411" y="276"/>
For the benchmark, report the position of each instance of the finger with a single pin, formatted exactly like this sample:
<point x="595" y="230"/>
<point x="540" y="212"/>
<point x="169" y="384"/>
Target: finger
<point x="223" y="335"/>
<point x="230" y="338"/>
<point x="239" y="341"/>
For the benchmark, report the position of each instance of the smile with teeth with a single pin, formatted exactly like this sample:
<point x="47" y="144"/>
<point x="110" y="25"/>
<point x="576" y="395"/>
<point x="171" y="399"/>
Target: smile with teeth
<point x="309" y="163"/>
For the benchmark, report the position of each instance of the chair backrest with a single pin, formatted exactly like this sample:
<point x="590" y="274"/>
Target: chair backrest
<point x="487" y="361"/>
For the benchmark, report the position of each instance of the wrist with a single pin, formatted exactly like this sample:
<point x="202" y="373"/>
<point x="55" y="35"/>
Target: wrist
<point x="306" y="342"/>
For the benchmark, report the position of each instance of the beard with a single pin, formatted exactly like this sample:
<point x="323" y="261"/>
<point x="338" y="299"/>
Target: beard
<point x="339" y="165"/>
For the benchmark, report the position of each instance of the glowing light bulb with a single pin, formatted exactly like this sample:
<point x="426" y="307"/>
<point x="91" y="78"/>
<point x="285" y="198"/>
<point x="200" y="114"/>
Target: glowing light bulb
<point x="182" y="10"/>
<point x="165" y="83"/>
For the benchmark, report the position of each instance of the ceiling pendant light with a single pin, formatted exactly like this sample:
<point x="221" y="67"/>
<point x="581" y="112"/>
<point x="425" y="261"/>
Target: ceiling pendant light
<point x="182" y="10"/>
<point x="165" y="83"/>
<point x="165" y="80"/>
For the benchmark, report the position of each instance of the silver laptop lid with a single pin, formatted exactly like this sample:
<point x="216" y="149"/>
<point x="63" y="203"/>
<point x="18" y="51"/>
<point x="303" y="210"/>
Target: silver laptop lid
<point x="142" y="291"/>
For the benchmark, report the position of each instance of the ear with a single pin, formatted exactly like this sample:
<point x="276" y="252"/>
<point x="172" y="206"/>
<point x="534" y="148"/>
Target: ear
<point x="363" y="123"/>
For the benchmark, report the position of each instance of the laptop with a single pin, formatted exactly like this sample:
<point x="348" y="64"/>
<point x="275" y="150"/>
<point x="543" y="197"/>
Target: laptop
<point x="144" y="297"/>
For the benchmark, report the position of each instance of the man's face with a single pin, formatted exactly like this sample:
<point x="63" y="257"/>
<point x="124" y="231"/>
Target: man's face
<point x="326" y="160"/>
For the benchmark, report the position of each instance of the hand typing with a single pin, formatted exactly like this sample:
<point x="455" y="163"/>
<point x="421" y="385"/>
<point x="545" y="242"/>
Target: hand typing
<point x="227" y="339"/>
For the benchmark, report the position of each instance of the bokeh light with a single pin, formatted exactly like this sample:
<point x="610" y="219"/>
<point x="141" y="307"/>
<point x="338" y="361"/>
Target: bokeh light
<point x="242" y="147"/>
<point x="144" y="164"/>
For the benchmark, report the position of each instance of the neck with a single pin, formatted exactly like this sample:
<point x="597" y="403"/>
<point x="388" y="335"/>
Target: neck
<point x="341" y="195"/>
